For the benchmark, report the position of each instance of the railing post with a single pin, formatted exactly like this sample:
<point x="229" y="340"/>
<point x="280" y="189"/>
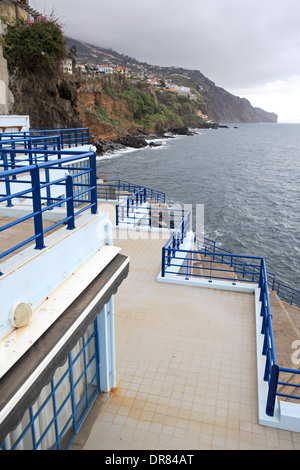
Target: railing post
<point x="37" y="208"/>
<point x="172" y="221"/>
<point x="70" y="202"/>
<point x="272" y="390"/>
<point x="30" y="154"/>
<point x="13" y="157"/>
<point x="117" y="214"/>
<point x="170" y="251"/>
<point x="93" y="183"/>
<point x="7" y="183"/>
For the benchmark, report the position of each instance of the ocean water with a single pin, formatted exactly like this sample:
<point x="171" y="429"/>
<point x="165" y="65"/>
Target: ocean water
<point x="247" y="178"/>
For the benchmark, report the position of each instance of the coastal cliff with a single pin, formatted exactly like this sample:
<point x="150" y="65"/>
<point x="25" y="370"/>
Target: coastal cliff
<point x="120" y="105"/>
<point x="218" y="104"/>
<point x="112" y="107"/>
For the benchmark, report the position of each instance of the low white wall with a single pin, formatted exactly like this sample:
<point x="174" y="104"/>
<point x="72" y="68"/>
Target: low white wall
<point x="14" y="123"/>
<point x="32" y="275"/>
<point x="286" y="415"/>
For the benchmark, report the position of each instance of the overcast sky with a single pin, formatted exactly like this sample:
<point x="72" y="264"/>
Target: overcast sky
<point x="252" y="49"/>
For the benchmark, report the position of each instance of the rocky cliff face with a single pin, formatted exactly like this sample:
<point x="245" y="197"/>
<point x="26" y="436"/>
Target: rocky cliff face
<point x="220" y="105"/>
<point x="75" y="101"/>
<point x="223" y="107"/>
<point x="105" y="116"/>
<point x="48" y="102"/>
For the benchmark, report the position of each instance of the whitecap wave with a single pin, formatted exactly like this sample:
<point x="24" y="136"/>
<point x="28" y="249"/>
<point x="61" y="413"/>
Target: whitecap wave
<point x="110" y="155"/>
<point x="116" y="153"/>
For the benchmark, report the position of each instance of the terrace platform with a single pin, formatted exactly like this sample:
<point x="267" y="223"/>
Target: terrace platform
<point x="186" y="365"/>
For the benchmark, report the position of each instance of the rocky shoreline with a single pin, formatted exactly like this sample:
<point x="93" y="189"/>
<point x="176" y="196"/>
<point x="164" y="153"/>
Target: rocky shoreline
<point x="141" y="141"/>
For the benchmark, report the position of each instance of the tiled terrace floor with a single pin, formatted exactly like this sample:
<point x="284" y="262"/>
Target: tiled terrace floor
<point x="17" y="234"/>
<point x="186" y="368"/>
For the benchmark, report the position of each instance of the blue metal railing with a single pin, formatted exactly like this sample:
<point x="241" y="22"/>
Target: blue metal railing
<point x="219" y="265"/>
<point x="172" y="246"/>
<point x="68" y="137"/>
<point x="285" y="292"/>
<point x="119" y="190"/>
<point x="40" y="192"/>
<point x="44" y="142"/>
<point x="18" y="152"/>
<point x="131" y="210"/>
<point x="272" y="370"/>
<point x="234" y="268"/>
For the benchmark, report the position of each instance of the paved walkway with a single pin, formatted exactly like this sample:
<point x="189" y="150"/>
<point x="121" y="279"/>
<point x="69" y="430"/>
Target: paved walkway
<point x="17" y="234"/>
<point x="186" y="368"/>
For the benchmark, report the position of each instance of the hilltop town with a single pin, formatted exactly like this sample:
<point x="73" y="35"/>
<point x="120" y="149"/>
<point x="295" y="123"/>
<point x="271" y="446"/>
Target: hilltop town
<point x="90" y="61"/>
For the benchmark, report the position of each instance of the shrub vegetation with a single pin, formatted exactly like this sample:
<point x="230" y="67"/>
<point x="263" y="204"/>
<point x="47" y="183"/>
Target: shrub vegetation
<point x="34" y="46"/>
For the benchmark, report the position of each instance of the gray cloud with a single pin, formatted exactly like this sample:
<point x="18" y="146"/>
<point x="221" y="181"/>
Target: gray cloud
<point x="230" y="40"/>
<point x="236" y="44"/>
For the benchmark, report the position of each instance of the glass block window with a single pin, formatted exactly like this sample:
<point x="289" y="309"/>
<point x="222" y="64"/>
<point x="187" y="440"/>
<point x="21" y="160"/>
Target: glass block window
<point x="53" y="420"/>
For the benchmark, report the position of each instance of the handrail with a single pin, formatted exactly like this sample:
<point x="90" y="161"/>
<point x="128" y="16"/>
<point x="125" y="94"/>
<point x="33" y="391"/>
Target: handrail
<point x="120" y="188"/>
<point x="9" y="149"/>
<point x="25" y="138"/>
<point x="175" y="258"/>
<point x="271" y="368"/>
<point x="285" y="292"/>
<point x="34" y="189"/>
<point x="248" y="269"/>
<point x="132" y="206"/>
<point x="69" y="136"/>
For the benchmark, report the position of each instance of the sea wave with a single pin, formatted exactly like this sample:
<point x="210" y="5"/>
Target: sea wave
<point x="116" y="153"/>
<point x="111" y="155"/>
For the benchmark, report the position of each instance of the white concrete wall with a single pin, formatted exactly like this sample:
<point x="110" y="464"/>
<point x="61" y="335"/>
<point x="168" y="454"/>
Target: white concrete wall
<point x="14" y="123"/>
<point x="32" y="275"/>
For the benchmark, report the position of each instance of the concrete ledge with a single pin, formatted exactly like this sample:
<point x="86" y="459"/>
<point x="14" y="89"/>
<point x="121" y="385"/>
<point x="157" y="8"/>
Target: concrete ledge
<point x="142" y="228"/>
<point x="15" y="344"/>
<point x="289" y="416"/>
<point x="286" y="415"/>
<point x="33" y="275"/>
<point x="211" y="284"/>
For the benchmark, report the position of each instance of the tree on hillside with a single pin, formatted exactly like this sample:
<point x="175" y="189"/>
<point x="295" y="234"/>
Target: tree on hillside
<point x="34" y="46"/>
